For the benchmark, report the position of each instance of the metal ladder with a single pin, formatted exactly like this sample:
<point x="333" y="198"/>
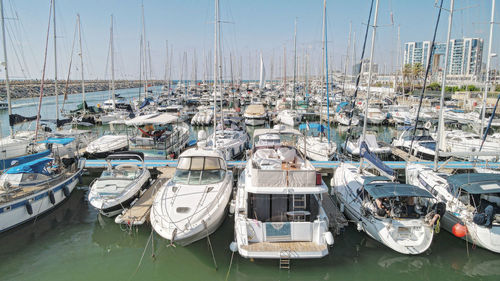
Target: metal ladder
<point x="299" y="204"/>
<point x="285" y="259"/>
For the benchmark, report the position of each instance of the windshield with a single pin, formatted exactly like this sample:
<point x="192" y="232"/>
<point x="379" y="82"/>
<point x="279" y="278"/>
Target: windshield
<point x="199" y="170"/>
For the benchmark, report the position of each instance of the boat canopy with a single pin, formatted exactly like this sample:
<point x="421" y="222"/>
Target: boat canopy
<point x="312" y="126"/>
<point x="391" y="189"/>
<point x="341" y="106"/>
<point x="154" y="119"/>
<point x="475" y="183"/>
<point x="34" y="167"/>
<point x="63" y="141"/>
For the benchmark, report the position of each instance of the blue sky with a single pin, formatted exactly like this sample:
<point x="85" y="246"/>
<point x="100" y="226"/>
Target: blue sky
<point x="252" y="27"/>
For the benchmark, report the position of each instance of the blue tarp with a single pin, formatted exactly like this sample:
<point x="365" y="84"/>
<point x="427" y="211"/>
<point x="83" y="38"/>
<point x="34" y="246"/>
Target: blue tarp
<point x="63" y="141"/>
<point x="341" y="105"/>
<point x="37" y="166"/>
<point x="146" y="102"/>
<point x="7" y="163"/>
<point x="312" y="126"/>
<point x="374" y="160"/>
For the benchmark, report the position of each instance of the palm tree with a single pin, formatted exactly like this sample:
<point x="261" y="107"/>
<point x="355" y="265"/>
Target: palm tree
<point x="417" y="71"/>
<point x="407" y="71"/>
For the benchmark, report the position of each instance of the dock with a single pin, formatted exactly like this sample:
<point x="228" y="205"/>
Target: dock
<point x="138" y="213"/>
<point x="325" y="166"/>
<point x="336" y="220"/>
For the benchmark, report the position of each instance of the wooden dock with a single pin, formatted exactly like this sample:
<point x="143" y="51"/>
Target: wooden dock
<point x="138" y="213"/>
<point x="336" y="220"/>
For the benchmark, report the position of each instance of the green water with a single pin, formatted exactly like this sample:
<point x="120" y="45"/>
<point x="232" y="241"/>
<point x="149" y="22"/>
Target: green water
<point x="73" y="242"/>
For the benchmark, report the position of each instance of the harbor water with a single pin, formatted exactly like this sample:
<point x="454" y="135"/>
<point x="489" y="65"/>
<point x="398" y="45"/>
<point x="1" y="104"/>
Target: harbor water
<point x="74" y="242"/>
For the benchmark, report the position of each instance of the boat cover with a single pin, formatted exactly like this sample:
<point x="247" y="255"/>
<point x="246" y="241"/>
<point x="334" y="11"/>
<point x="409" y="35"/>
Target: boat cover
<point x="36" y="167"/>
<point x="392" y="189"/>
<point x="63" y="141"/>
<point x="475" y="183"/>
<point x="374" y="160"/>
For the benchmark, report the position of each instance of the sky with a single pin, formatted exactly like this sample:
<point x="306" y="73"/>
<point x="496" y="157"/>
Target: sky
<point x="250" y="28"/>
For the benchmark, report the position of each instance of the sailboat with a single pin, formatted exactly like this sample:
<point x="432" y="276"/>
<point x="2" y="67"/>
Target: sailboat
<point x="315" y="145"/>
<point x="472" y="199"/>
<point x="21" y="147"/>
<point x="387" y="211"/>
<point x="31" y="189"/>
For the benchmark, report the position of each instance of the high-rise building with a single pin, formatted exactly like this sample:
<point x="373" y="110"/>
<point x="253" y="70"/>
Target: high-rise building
<point x="465" y="58"/>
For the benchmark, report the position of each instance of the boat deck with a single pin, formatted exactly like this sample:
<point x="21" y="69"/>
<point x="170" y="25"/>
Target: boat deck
<point x="284" y="246"/>
<point x="139" y="212"/>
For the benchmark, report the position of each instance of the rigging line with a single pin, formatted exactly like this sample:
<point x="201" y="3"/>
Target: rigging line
<point x="66" y="87"/>
<point x="425" y="77"/>
<point x="43" y="74"/>
<point x="353" y="100"/>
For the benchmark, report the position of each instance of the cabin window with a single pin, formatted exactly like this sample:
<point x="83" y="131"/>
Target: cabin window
<point x="280" y="207"/>
<point x="199" y="170"/>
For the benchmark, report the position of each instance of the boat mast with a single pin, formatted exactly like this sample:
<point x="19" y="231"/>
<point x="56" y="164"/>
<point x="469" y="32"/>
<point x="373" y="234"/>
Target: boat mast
<point x="294" y="61"/>
<point x="144" y="48"/>
<point x="487" y="81"/>
<point x="370" y="65"/>
<point x="326" y="70"/>
<point x="81" y="63"/>
<point x="216" y="61"/>
<point x="111" y="43"/>
<point x="347" y="57"/>
<point x="6" y="69"/>
<point x="440" y="129"/>
<point x="55" y="62"/>
<point x="322" y="68"/>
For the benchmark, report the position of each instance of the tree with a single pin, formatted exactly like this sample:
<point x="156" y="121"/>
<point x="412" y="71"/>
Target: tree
<point x="407" y="74"/>
<point x="434" y="86"/>
<point x="417" y="71"/>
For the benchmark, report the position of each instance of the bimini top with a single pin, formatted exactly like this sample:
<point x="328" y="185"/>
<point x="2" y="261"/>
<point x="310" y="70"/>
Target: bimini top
<point x="34" y="167"/>
<point x="63" y="141"/>
<point x="154" y="119"/>
<point x="391" y="189"/>
<point x="312" y="126"/>
<point x="475" y="183"/>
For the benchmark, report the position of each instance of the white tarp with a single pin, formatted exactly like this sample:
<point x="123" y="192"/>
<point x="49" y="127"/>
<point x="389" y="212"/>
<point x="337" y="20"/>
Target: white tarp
<point x="154" y="119"/>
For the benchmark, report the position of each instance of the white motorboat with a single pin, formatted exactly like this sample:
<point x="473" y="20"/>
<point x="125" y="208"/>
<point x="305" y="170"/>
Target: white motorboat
<point x="119" y="186"/>
<point x="106" y="145"/>
<point x="467" y="197"/>
<point x="192" y="205"/>
<point x="278" y="208"/>
<point x="399" y="113"/>
<point x="255" y="115"/>
<point x="31" y="189"/>
<point x="158" y="135"/>
<point x="204" y="116"/>
<point x="375" y="116"/>
<point x="232" y="141"/>
<point x="387" y="211"/>
<point x="289" y="117"/>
